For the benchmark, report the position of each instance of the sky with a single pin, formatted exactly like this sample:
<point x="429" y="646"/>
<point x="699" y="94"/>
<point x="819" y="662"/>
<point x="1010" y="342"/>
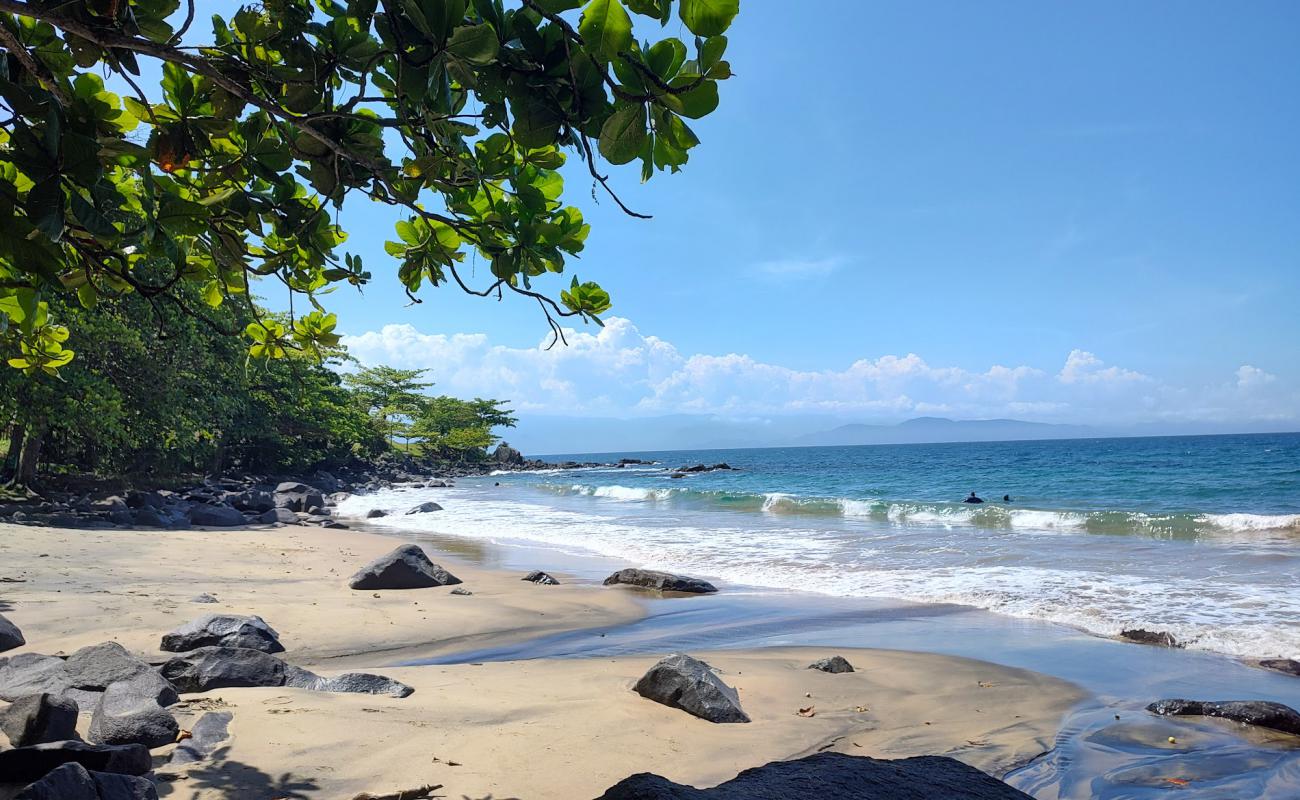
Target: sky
<point x="1053" y="211"/>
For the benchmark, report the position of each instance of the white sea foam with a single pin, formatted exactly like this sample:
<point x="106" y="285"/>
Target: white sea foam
<point x="1255" y="522"/>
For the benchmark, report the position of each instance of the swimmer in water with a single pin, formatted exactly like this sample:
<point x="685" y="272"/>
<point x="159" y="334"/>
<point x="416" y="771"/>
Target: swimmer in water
<point x="972" y="499"/>
<point x="1006" y="498"/>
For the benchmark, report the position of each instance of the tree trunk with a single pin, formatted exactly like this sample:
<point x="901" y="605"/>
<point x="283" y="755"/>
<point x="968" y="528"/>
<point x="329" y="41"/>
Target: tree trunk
<point x="10" y="467"/>
<point x="31" y="456"/>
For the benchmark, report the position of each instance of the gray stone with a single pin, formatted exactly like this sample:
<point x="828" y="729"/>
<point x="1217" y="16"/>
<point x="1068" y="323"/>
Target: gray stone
<point x="123" y="787"/>
<point x="221" y="667"/>
<point x="1260" y="713"/>
<point x="298" y="497"/>
<point x="67" y="782"/>
<point x="462" y="592"/>
<point x="660" y="581"/>
<point x="207" y="516"/>
<point x="94" y="667"/>
<point x="689" y="684"/>
<point x="204" y="598"/>
<point x="1141" y="636"/>
<point x="833" y="776"/>
<point x="26" y="764"/>
<point x="127" y="715"/>
<point x="206" y="736"/>
<point x="149" y="518"/>
<point x="407" y="567"/>
<point x="109" y="504"/>
<point x="39" y="718"/>
<point x="1288" y="665"/>
<point x="252" y="500"/>
<point x="348" y="682"/>
<point x="281" y="515"/>
<point x="834" y="664"/>
<point x="425" y="508"/>
<point x="541" y="578"/>
<point x="223" y="630"/>
<point x="376" y="513"/>
<point x="32" y="673"/>
<point x="10" y="636"/>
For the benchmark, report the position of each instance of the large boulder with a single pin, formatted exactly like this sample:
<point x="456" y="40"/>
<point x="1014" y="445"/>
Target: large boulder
<point x="223" y="630"/>
<point x="425" y="508"/>
<point x="298" y="497"/>
<point x="253" y="500"/>
<point x="10" y="636"/>
<point x="407" y="567"/>
<point x="505" y="454"/>
<point x="221" y="667"/>
<point x="833" y="776"/>
<point x="39" y="718"/>
<point x="74" y="782"/>
<point x="687" y="683"/>
<point x="1248" y="712"/>
<point x="833" y="664"/>
<point x="129" y="714"/>
<point x="95" y="667"/>
<point x="660" y="581"/>
<point x="207" y="516"/>
<point x="206" y="736"/>
<point x="25" y="764"/>
<point x="32" y="673"/>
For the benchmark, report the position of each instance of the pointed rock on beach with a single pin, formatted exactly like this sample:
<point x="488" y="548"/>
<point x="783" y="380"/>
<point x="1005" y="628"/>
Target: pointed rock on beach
<point x="689" y="684"/>
<point x="541" y="578"/>
<point x="223" y="630"/>
<point x="407" y="567"/>
<point x="833" y="664"/>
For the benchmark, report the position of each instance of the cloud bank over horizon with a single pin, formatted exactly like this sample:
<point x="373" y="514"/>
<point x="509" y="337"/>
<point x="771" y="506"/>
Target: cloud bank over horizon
<point x="620" y="371"/>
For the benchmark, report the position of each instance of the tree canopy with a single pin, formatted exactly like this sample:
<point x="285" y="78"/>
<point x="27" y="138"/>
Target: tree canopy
<point x="206" y="163"/>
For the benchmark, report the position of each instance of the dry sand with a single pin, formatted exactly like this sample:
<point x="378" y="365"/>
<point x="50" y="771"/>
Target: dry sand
<point x="526" y="729"/>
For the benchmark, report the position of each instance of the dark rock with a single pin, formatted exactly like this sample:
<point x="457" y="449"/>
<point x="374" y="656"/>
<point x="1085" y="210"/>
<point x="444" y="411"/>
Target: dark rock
<point x="204" y="598"/>
<point x="505" y="454"/>
<point x="123" y="787"/>
<point x="221" y="667"/>
<point x="298" y="497"/>
<point x="32" y="673"/>
<point x="1159" y="638"/>
<point x="252" y="500"/>
<point x="94" y="667"/>
<point x="683" y="682"/>
<point x="149" y="518"/>
<point x="25" y="764"/>
<point x="539" y="577"/>
<point x="126" y="714"/>
<point x="833" y="776"/>
<point x="376" y="513"/>
<point x="662" y="581"/>
<point x="67" y="782"/>
<point x="425" y="508"/>
<point x="282" y="516"/>
<point x="39" y="718"/>
<point x="1288" y="665"/>
<point x="1260" y="713"/>
<point x="834" y="664"/>
<point x="10" y="636"/>
<point x="145" y="500"/>
<point x="223" y="630"/>
<point x="463" y="592"/>
<point x="348" y="682"/>
<point x="207" y="516"/>
<point x="206" y="736"/>
<point x="407" y="567"/>
<point x="704" y="468"/>
<point x="109" y="504"/>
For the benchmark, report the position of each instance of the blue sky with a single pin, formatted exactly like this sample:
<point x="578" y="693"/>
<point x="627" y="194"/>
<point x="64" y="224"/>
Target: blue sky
<point x="1041" y="187"/>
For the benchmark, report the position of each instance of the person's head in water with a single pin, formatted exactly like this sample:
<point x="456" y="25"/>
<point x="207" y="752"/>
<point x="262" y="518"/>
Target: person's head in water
<point x="1006" y="498"/>
<point x="972" y="494"/>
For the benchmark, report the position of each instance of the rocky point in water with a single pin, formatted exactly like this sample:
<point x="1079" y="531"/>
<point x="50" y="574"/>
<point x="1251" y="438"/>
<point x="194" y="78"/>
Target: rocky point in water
<point x="660" y="581"/>
<point x="1260" y="713"/>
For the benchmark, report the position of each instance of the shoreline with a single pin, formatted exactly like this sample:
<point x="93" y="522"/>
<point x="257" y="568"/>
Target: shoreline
<point x="522" y="728"/>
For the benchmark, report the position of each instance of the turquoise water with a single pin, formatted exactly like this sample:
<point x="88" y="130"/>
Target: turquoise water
<point x="1197" y="536"/>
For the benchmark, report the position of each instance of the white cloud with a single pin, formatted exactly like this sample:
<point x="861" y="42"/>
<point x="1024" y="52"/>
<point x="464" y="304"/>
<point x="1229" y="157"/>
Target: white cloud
<point x="800" y="267"/>
<point x="620" y="371"/>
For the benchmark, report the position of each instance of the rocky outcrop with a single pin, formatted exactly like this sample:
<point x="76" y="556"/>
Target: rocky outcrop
<point x="1141" y="636"/>
<point x="660" y="581"/>
<point x="298" y="497"/>
<point x="39" y="718"/>
<point x="10" y="636"/>
<point x="215" y="516"/>
<point x="833" y="776"/>
<point x="833" y="664"/>
<point x="407" y="567"/>
<point x="425" y="508"/>
<point x="26" y="764"/>
<point x="128" y="713"/>
<point x="541" y="578"/>
<point x="507" y="455"/>
<point x="689" y="684"/>
<point x="1260" y="713"/>
<point x="223" y="630"/>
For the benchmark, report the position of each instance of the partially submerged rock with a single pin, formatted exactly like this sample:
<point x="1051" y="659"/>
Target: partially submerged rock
<point x="407" y="567"/>
<point x="1260" y="713"/>
<point x="1288" y="665"/>
<point x="206" y="736"/>
<point x="223" y="630"/>
<point x="833" y="776"/>
<point x="541" y="578"/>
<point x="25" y="764"/>
<point x="127" y="714"/>
<point x="39" y="718"/>
<point x="689" y="684"/>
<point x="425" y="508"/>
<point x="833" y="664"/>
<point x="376" y="513"/>
<point x="660" y="581"/>
<point x="10" y="636"/>
<point x="1141" y="636"/>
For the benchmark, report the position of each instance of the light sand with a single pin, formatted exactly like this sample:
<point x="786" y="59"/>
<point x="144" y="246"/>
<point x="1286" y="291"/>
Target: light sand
<point x="527" y="729"/>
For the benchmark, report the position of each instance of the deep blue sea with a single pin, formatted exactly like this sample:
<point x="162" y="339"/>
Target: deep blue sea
<point x="1197" y="536"/>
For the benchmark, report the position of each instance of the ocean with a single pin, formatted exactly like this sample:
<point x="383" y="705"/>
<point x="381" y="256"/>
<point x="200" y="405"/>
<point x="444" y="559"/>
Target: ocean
<point x="1195" y="536"/>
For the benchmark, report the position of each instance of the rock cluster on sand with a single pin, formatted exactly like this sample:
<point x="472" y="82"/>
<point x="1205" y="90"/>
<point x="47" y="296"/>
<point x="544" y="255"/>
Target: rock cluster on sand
<point x="74" y="782"/>
<point x="26" y="764"/>
<point x="1248" y="712"/>
<point x="687" y="683"/>
<point x="661" y="581"/>
<point x="407" y="567"/>
<point x="833" y="776"/>
<point x="833" y="664"/>
<point x="210" y="668"/>
<point x="541" y="578"/>
<point x="223" y="630"/>
<point x="10" y="636"/>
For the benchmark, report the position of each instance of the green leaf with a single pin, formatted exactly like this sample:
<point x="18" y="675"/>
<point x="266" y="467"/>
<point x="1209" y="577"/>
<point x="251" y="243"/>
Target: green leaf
<point x="476" y="44"/>
<point x="666" y="57"/>
<point x="623" y="134"/>
<point x="700" y="101"/>
<point x="708" y="17"/>
<point x="606" y="27"/>
<point x="711" y="51"/>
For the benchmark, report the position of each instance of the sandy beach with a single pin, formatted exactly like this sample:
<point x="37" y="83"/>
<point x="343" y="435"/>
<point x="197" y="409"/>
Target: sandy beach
<point x="527" y="729"/>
